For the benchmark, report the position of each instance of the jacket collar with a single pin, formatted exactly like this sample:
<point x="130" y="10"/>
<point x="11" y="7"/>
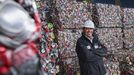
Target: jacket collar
<point x="95" y="38"/>
<point x="85" y="37"/>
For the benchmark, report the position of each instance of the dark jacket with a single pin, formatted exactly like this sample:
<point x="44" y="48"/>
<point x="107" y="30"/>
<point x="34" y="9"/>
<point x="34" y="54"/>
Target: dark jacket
<point x="90" y="56"/>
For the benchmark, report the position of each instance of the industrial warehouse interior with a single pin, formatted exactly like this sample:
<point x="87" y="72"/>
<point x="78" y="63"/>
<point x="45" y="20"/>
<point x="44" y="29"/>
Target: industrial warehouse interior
<point x="39" y="37"/>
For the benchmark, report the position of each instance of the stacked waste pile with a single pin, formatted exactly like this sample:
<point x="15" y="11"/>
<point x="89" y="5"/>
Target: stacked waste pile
<point x="115" y="27"/>
<point x="67" y="42"/>
<point x="49" y="49"/>
<point x="72" y="15"/>
<point x="128" y="23"/>
<point x="120" y="62"/>
<point x="115" y="30"/>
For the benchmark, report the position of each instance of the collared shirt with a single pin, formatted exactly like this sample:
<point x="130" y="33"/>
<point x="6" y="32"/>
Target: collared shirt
<point x="89" y="38"/>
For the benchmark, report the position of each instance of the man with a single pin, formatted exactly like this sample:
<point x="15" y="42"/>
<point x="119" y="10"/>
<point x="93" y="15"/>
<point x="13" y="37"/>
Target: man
<point x="90" y="51"/>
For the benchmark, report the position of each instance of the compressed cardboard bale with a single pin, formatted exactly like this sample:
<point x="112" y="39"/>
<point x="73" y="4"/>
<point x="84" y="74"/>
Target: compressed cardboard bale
<point x="111" y="38"/>
<point x="109" y="15"/>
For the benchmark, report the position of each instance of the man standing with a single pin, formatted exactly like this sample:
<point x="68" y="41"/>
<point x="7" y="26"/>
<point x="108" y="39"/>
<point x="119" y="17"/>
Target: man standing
<point x="90" y="51"/>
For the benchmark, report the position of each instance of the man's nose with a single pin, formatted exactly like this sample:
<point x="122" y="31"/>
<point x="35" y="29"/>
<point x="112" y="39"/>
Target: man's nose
<point x="89" y="30"/>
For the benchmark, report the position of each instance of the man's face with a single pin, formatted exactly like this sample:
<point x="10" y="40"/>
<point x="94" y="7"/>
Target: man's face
<point x="88" y="32"/>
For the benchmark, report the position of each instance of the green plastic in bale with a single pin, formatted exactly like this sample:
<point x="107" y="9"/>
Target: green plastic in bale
<point x="50" y="25"/>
